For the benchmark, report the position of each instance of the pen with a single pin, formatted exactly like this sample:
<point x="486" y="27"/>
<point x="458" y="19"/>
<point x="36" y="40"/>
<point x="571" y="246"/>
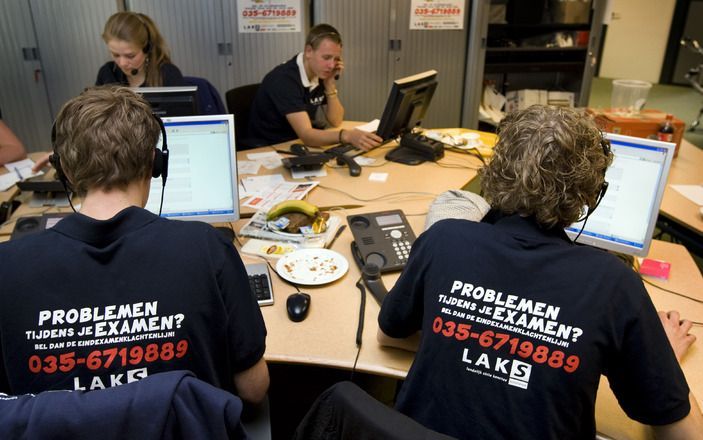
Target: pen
<point x="337" y="234"/>
<point x="17" y="171"/>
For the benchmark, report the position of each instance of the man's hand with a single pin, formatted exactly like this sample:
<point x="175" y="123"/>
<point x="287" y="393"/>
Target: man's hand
<point x="677" y="332"/>
<point x="361" y="139"/>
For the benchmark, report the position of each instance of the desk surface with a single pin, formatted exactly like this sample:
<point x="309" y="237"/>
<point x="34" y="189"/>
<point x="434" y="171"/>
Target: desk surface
<point x="327" y="336"/>
<point x="685" y="170"/>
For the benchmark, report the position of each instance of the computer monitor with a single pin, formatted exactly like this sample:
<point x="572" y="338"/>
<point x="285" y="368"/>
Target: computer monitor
<point x="202" y="170"/>
<point x="171" y="101"/>
<point x="625" y="219"/>
<point x="407" y="104"/>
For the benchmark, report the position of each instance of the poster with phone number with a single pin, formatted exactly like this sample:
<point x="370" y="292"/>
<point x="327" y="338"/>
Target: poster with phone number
<point x="267" y="16"/>
<point x="437" y="15"/>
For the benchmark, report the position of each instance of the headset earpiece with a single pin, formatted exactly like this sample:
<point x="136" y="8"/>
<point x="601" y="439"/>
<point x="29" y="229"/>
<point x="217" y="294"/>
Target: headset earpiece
<point x="55" y="159"/>
<point x="160" y="165"/>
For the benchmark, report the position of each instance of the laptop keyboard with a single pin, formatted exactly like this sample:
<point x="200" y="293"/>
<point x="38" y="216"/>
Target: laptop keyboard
<point x="260" y="283"/>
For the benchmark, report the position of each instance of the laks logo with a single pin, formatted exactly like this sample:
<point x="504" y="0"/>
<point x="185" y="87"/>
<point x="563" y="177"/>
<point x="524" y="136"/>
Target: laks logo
<point x="520" y="374"/>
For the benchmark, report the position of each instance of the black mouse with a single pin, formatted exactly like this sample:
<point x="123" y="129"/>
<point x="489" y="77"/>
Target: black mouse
<point x="299" y="150"/>
<point x="298" y="305"/>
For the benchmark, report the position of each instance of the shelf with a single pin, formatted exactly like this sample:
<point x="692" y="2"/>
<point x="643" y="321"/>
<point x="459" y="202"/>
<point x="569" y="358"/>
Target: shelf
<point x="541" y="27"/>
<point x="537" y="49"/>
<point x="534" y="67"/>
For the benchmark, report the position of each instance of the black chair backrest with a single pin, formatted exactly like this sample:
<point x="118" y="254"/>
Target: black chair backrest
<point x="239" y="102"/>
<point x="209" y="101"/>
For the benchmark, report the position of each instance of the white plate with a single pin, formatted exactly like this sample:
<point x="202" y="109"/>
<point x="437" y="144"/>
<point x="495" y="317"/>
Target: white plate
<point x="312" y="266"/>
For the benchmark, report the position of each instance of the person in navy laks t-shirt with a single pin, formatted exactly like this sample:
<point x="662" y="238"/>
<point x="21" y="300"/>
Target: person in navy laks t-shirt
<point x="286" y="104"/>
<point x="114" y="293"/>
<point x="514" y="324"/>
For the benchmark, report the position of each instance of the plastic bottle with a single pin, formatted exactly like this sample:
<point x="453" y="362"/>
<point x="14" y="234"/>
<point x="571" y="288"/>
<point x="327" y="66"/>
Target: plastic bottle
<point x="666" y="130"/>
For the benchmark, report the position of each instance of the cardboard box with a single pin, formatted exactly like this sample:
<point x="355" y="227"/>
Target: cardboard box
<point x="645" y="125"/>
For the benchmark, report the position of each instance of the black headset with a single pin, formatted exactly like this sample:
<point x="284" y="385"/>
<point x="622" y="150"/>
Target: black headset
<point x="605" y="145"/>
<point x="147" y="48"/>
<point x="159" y="167"/>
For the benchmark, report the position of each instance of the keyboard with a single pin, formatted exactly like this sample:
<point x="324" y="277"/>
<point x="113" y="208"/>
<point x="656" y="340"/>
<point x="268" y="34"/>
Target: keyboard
<point x="260" y="283"/>
<point x="346" y="149"/>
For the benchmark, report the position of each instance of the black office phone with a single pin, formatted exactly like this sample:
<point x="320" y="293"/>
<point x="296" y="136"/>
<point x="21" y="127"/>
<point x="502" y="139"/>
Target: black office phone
<point x="383" y="238"/>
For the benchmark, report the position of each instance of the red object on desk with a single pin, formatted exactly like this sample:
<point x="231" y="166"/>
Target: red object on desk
<point x="655" y="268"/>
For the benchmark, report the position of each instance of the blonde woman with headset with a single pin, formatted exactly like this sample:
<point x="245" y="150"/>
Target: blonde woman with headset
<point x="140" y="56"/>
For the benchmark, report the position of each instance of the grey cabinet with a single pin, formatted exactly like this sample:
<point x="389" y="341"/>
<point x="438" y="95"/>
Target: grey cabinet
<point x="204" y="41"/>
<point x="50" y="52"/>
<point x="379" y="47"/>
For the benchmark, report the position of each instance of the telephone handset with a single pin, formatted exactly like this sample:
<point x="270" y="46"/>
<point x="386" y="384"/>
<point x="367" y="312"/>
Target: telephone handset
<point x="382" y="238"/>
<point x="382" y="242"/>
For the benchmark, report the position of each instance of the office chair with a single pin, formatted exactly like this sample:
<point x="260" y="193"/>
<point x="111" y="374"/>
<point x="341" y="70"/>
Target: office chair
<point x="346" y="412"/>
<point x="239" y="101"/>
<point x="209" y="101"/>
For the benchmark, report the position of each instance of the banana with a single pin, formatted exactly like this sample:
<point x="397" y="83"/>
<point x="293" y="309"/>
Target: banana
<point x="287" y="206"/>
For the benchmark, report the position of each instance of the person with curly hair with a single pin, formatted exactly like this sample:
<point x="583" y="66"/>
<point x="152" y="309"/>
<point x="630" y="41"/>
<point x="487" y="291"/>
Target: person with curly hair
<point x="514" y="324"/>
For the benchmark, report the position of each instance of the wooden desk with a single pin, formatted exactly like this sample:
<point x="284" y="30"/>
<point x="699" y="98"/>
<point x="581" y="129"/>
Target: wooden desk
<point x="679" y="215"/>
<point x="425" y="182"/>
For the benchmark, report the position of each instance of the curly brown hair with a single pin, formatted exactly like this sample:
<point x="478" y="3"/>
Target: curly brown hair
<point x="549" y="163"/>
<point x="106" y="138"/>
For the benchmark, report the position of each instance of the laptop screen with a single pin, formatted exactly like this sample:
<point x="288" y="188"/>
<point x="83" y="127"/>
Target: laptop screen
<point x="202" y="170"/>
<point x="625" y="219"/>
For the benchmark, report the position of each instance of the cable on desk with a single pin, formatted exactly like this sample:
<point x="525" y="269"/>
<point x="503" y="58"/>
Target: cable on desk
<point x="671" y="291"/>
<point x="385" y="196"/>
<point x="360" y="325"/>
<point x="471" y="152"/>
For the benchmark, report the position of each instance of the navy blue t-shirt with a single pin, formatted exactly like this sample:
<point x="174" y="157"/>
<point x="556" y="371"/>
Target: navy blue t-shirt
<point x="109" y="73"/>
<point x="518" y="324"/>
<point x="281" y="93"/>
<point x="90" y="304"/>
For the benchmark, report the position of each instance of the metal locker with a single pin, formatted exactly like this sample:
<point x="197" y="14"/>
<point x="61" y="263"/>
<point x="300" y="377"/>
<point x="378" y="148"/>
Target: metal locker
<point x="192" y="31"/>
<point x="204" y="41"/>
<point x="364" y="27"/>
<point x="23" y="98"/>
<point x="70" y="44"/>
<point x="379" y="47"/>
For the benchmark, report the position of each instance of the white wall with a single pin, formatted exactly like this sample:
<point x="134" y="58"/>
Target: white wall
<point x="636" y="39"/>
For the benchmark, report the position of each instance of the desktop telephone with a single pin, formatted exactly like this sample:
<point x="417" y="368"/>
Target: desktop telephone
<point x="415" y="149"/>
<point x="382" y="242"/>
<point x="383" y="238"/>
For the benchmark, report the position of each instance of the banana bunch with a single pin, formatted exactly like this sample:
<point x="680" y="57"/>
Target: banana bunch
<point x="300" y="217"/>
<point x="287" y="206"/>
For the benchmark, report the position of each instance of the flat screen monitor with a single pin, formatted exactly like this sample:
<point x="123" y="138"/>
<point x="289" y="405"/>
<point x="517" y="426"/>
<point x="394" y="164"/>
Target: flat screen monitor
<point x="202" y="170"/>
<point x="171" y="101"/>
<point x="407" y="104"/>
<point x="625" y="219"/>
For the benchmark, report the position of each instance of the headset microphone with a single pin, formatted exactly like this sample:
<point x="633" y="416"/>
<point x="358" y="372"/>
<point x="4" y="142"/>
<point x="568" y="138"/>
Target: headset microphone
<point x="134" y="72"/>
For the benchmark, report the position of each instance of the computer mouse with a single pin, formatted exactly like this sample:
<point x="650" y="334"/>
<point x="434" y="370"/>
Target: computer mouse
<point x="297" y="306"/>
<point x="299" y="150"/>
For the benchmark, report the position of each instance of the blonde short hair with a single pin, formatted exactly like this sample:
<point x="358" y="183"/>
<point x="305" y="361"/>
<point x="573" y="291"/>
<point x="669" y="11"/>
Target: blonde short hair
<point x="105" y="138"/>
